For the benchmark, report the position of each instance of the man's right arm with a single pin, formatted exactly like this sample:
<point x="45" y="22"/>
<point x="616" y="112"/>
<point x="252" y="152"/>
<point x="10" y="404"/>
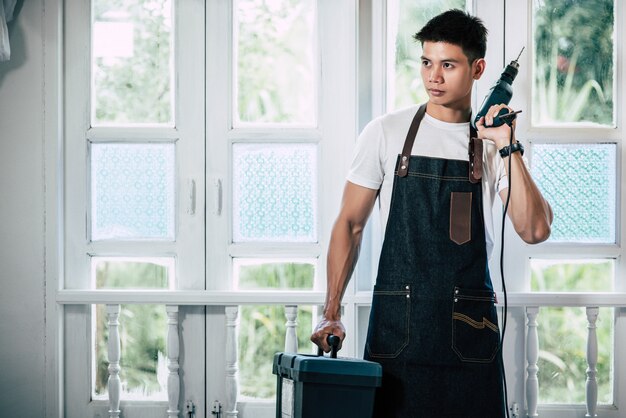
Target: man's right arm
<point x="343" y="253"/>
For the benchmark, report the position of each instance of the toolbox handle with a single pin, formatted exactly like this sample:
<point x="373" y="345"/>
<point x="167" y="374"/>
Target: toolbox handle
<point x="333" y="342"/>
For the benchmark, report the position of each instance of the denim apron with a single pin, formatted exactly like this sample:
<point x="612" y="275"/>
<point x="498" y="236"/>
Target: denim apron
<point x="433" y="323"/>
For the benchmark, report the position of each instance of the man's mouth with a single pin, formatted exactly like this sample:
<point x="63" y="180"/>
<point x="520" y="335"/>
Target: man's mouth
<point x="435" y="92"/>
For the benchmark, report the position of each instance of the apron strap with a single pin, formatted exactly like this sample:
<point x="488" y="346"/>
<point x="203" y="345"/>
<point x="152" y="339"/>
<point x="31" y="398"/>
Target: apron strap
<point x="403" y="169"/>
<point x="475" y="149"/>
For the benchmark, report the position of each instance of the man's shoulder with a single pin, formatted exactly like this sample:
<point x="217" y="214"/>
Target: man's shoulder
<point x="400" y="117"/>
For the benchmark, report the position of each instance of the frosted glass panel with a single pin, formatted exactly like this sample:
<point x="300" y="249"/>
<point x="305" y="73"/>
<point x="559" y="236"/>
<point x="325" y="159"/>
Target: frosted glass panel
<point x="132" y="273"/>
<point x="132" y="191"/>
<point x="579" y="183"/>
<point x="275" y="192"/>
<point x="573" y="68"/>
<point x="276" y="48"/>
<point x="404" y="19"/>
<point x="132" y="67"/>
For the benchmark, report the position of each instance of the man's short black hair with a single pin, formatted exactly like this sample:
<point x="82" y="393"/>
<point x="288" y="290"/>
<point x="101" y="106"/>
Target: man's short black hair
<point x="458" y="28"/>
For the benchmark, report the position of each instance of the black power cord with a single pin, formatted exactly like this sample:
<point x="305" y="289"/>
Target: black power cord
<point x="505" y="307"/>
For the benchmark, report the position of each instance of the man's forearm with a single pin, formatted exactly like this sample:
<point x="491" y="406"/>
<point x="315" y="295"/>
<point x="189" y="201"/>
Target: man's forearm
<point x="343" y="253"/>
<point x="529" y="212"/>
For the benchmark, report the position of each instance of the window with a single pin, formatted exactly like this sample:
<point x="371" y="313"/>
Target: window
<point x="573" y="139"/>
<point x="131" y="225"/>
<point x="210" y="158"/>
<point x="573" y="79"/>
<point x="573" y="68"/>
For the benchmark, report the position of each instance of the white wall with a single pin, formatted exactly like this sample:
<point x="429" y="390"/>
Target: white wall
<point x="22" y="210"/>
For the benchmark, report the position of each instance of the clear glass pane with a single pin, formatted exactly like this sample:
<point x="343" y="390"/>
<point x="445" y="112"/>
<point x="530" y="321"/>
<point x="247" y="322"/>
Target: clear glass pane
<point x="132" y="67"/>
<point x="275" y="192"/>
<point x="143" y="359"/>
<point x="275" y="62"/>
<point x="132" y="273"/>
<point x="562" y="355"/>
<point x="267" y="274"/>
<point x="404" y="19"/>
<point x="573" y="68"/>
<point x="572" y="275"/>
<point x="132" y="191"/>
<point x="261" y="335"/>
<point x="579" y="183"/>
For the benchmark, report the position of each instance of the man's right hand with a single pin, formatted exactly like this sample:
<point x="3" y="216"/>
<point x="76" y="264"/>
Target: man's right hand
<point x="325" y="328"/>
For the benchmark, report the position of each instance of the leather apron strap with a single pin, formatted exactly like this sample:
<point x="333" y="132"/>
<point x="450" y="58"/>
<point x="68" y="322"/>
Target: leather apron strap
<point x="475" y="149"/>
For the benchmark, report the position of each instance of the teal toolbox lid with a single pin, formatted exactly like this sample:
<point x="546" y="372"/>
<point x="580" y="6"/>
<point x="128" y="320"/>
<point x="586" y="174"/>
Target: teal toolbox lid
<point x="334" y="371"/>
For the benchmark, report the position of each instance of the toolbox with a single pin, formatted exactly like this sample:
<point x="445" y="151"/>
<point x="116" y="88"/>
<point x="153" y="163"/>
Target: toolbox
<point x="312" y="386"/>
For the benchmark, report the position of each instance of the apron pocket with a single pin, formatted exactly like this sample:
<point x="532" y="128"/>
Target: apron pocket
<point x="461" y="217"/>
<point x="475" y="333"/>
<point x="388" y="332"/>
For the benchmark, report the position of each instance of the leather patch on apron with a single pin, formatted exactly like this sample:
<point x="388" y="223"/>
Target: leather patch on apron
<point x="461" y="217"/>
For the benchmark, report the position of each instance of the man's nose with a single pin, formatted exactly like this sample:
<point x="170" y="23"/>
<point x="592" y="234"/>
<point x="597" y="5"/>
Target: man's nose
<point x="435" y="75"/>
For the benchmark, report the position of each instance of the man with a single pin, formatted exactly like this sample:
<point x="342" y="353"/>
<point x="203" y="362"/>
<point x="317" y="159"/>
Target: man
<point x="433" y="323"/>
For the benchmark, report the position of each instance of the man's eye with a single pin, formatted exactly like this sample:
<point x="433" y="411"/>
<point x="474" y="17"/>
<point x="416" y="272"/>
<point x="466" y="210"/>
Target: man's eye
<point x="447" y="65"/>
<point x="425" y="63"/>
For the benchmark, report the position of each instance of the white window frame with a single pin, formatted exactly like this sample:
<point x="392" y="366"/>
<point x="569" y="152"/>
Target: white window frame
<point x="518" y="16"/>
<point x="187" y="248"/>
<point x="205" y="275"/>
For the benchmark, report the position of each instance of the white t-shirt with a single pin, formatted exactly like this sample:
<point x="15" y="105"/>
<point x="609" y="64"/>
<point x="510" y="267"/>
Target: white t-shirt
<point x="383" y="138"/>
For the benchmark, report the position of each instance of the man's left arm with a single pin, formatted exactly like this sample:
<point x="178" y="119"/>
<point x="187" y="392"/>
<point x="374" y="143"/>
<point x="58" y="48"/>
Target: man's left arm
<point x="529" y="212"/>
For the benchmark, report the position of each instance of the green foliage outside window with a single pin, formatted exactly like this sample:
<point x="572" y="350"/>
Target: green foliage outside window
<point x="135" y="89"/>
<point x="262" y="328"/>
<point x="562" y="332"/>
<point x="275" y="64"/>
<point x="142" y="330"/>
<point x="574" y="66"/>
<point x="412" y="15"/>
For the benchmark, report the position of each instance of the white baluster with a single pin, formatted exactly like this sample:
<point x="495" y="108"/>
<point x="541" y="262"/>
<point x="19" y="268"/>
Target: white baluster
<point x="532" y="356"/>
<point x="113" y="353"/>
<point x="592" y="361"/>
<point x="173" y="350"/>
<point x="291" y="338"/>
<point x="232" y="387"/>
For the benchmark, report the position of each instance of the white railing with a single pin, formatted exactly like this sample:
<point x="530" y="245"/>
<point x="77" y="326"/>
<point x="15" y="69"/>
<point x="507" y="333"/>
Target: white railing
<point x="231" y="300"/>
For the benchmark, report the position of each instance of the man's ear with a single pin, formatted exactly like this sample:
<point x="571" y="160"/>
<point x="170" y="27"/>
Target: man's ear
<point x="478" y="68"/>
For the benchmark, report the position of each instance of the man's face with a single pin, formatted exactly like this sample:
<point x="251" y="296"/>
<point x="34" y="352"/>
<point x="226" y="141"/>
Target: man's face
<point x="447" y="75"/>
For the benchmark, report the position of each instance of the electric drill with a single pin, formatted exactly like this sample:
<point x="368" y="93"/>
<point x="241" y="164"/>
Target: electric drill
<point x="500" y="93"/>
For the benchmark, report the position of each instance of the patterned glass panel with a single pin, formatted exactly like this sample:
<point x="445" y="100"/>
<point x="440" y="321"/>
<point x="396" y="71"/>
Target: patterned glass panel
<point x="573" y="68"/>
<point x="132" y="273"/>
<point x="132" y="191"/>
<point x="275" y="61"/>
<point x="131" y="65"/>
<point x="143" y="359"/>
<point x="404" y="19"/>
<point x="275" y="192"/>
<point x="579" y="183"/>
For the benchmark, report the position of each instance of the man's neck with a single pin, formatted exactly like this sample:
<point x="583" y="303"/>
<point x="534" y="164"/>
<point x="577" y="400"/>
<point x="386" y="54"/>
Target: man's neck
<point x="449" y="114"/>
